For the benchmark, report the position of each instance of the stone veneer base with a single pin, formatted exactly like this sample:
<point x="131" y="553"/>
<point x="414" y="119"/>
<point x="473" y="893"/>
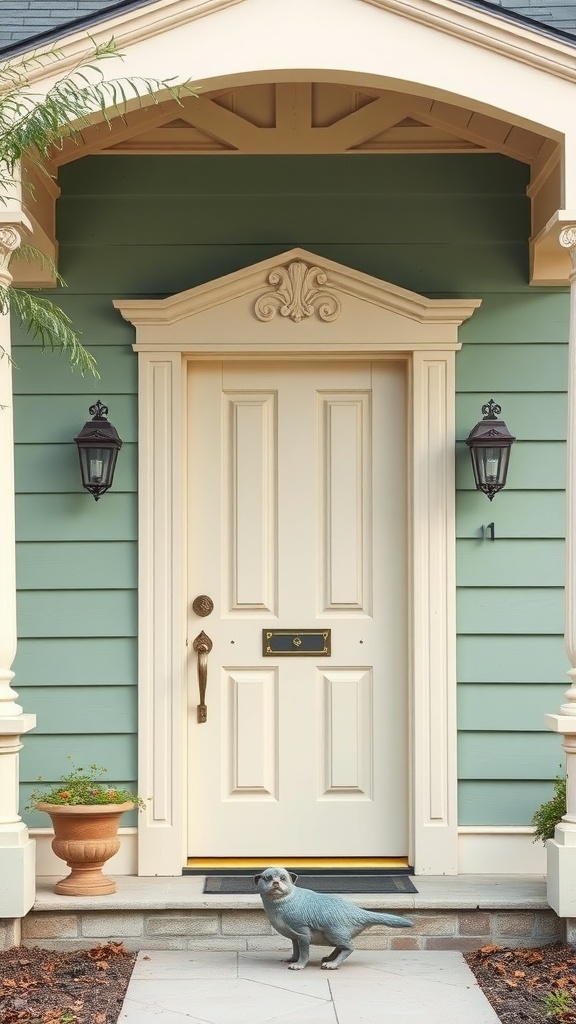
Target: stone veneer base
<point x="459" y="912"/>
<point x="248" y="929"/>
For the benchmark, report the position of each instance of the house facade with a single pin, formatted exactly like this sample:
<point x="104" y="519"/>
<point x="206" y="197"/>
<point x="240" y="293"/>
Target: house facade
<point x="301" y="285"/>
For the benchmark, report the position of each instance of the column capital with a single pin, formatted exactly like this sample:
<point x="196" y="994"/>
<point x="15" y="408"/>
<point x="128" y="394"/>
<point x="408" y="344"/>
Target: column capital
<point x="13" y="223"/>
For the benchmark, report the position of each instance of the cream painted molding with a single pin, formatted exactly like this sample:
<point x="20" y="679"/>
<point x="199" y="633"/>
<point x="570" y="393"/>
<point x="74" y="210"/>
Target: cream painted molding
<point x="478" y="27"/>
<point x="382" y="294"/>
<point x="433" y="698"/>
<point x="490" y="32"/>
<point x="551" y="263"/>
<point x="300" y="292"/>
<point x="126" y="29"/>
<point x="389" y="321"/>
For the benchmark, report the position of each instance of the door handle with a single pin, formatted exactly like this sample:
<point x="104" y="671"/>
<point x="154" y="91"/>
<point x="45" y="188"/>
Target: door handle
<point x="202" y="645"/>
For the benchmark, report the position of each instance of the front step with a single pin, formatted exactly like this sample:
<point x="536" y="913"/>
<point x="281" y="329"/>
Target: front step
<point x="462" y="912"/>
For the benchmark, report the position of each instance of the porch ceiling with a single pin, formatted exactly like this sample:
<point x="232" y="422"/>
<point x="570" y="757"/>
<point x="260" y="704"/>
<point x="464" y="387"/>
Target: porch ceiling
<point x="308" y="117"/>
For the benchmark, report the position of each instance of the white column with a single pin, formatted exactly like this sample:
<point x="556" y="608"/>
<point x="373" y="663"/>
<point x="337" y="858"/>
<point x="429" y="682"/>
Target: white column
<point x="561" y="851"/>
<point x="16" y="847"/>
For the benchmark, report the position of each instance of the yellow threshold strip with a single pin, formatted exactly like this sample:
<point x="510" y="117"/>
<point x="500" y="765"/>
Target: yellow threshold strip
<point x="308" y="863"/>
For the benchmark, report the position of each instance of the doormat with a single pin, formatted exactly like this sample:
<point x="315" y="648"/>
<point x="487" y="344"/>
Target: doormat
<point x="229" y="884"/>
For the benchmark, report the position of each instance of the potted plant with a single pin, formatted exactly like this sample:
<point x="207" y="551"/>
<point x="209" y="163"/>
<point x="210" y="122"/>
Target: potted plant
<point x="85" y="815"/>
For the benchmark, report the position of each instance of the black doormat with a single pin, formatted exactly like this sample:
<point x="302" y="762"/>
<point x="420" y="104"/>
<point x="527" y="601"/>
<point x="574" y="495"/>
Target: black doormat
<point x="228" y="884"/>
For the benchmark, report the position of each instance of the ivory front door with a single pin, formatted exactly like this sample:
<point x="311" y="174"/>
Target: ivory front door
<point x="297" y="511"/>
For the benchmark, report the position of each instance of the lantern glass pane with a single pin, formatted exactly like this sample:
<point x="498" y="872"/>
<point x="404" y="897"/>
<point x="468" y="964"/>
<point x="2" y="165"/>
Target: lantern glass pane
<point x="504" y="460"/>
<point x="97" y="466"/>
<point x="490" y="465"/>
<point x="98" y="463"/>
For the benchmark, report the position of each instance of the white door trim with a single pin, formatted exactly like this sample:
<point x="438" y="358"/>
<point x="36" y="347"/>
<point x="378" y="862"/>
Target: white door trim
<point x="218" y="319"/>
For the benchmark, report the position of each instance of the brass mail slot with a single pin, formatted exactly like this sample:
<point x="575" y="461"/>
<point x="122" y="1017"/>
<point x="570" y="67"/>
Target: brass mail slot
<point x="296" y="642"/>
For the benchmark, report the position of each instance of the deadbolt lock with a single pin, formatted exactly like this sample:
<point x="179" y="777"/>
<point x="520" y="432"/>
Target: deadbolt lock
<point x="202" y="605"/>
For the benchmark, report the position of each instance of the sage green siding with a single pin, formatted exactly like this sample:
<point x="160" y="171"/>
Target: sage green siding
<point x="443" y="226"/>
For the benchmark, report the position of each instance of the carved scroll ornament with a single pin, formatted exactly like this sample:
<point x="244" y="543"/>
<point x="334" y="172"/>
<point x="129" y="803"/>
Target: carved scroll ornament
<point x="567" y="237"/>
<point x="10" y="239"/>
<point x="299" y="292"/>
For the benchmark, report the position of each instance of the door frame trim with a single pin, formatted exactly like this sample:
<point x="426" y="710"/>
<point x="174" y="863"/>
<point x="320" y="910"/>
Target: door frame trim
<point x="170" y="332"/>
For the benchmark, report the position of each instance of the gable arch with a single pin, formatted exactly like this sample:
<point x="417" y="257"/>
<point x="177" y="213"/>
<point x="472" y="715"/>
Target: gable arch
<point x="469" y="80"/>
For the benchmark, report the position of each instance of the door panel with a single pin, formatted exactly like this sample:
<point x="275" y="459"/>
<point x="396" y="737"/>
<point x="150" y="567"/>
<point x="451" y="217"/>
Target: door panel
<point x="297" y="520"/>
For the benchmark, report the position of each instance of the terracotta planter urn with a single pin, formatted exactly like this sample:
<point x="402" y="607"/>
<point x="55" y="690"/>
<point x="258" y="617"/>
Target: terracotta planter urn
<point x="85" y="836"/>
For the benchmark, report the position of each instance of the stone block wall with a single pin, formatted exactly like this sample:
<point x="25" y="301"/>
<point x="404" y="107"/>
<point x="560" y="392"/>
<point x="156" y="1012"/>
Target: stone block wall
<point x="243" y="930"/>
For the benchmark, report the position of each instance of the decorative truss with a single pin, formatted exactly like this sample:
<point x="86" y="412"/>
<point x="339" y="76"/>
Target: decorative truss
<point x="306" y="117"/>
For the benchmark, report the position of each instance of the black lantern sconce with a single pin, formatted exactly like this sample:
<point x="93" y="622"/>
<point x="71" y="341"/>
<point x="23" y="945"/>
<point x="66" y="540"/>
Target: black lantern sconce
<point x="98" y="447"/>
<point x="489" y="443"/>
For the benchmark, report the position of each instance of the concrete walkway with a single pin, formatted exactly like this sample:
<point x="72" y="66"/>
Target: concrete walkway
<point x="372" y="987"/>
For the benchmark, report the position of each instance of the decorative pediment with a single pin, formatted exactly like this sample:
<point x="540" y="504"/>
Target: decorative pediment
<point x="315" y="304"/>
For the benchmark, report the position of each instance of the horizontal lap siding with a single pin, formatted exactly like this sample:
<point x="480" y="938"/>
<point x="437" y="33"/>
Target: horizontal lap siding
<point x="510" y="613"/>
<point x="76" y="665"/>
<point x="443" y="226"/>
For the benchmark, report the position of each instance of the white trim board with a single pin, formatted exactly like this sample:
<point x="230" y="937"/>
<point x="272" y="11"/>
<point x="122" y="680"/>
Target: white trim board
<point x="500" y="850"/>
<point x="490" y="852"/>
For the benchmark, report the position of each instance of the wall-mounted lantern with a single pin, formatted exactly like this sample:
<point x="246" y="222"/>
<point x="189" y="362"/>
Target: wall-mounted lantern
<point x="98" y="447"/>
<point x="490" y="442"/>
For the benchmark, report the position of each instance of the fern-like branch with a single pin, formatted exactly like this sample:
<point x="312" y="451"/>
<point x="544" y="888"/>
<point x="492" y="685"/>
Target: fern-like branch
<point x="33" y="125"/>
<point x="31" y="254"/>
<point x="48" y="323"/>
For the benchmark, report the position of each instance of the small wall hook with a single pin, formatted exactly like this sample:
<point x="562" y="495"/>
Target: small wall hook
<point x="488" y="531"/>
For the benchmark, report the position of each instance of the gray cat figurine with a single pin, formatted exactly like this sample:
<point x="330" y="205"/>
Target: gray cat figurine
<point x="309" y="917"/>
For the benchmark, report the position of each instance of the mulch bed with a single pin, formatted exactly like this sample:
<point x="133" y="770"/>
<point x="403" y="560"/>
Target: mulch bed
<point x="38" y="986"/>
<point x="528" y="986"/>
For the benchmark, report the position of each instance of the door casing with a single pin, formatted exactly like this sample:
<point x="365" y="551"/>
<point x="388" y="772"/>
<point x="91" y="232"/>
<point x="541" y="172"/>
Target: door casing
<point x="374" y="320"/>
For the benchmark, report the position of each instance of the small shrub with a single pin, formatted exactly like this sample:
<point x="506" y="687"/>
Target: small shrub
<point x="556" y="1003"/>
<point x="549" y="814"/>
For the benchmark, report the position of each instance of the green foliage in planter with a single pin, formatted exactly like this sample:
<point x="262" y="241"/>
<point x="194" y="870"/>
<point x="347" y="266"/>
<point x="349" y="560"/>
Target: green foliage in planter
<point x="82" y="786"/>
<point x="549" y="814"/>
